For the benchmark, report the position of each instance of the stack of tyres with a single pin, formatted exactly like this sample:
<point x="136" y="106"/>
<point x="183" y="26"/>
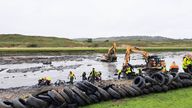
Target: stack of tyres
<point x="84" y="93"/>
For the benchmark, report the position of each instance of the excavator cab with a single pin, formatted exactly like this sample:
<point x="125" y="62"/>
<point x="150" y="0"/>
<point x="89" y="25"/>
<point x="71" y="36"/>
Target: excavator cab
<point x="154" y="58"/>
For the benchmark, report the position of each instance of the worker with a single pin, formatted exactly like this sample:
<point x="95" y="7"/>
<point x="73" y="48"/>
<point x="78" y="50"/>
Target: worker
<point x="84" y="77"/>
<point x="189" y="65"/>
<point x="174" y="67"/>
<point x="184" y="65"/>
<point x="98" y="76"/>
<point x="93" y="75"/>
<point x="71" y="77"/>
<point x="140" y="71"/>
<point x="44" y="81"/>
<point x="119" y="73"/>
<point x="128" y="72"/>
<point x="163" y="65"/>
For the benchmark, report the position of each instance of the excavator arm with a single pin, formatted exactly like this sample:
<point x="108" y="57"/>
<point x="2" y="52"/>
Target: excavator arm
<point x="112" y="49"/>
<point x="130" y="49"/>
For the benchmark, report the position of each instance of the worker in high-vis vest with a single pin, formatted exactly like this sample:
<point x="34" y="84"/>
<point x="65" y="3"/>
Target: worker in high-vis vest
<point x="128" y="72"/>
<point x="44" y="81"/>
<point x="71" y="77"/>
<point x="174" y="67"/>
<point x="184" y="65"/>
<point x="93" y="75"/>
<point x="189" y="65"/>
<point x="119" y="73"/>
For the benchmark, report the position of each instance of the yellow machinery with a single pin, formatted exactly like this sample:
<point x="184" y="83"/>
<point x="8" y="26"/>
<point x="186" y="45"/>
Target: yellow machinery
<point x="153" y="62"/>
<point x="111" y="56"/>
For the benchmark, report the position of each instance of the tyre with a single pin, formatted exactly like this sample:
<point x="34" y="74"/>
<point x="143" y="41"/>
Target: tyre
<point x="65" y="96"/>
<point x="146" y="91"/>
<point x="129" y="91"/>
<point x="70" y="94"/>
<point x="99" y="97"/>
<point x="19" y="103"/>
<point x="148" y="79"/>
<point x="118" y="90"/>
<point x="159" y="77"/>
<point x="81" y="94"/>
<point x="165" y="88"/>
<point x="113" y="93"/>
<point x="151" y="89"/>
<point x="139" y="82"/>
<point x="87" y="88"/>
<point x="94" y="98"/>
<point x="57" y="98"/>
<point x="105" y="95"/>
<point x="137" y="89"/>
<point x="37" y="103"/>
<point x="90" y="85"/>
<point x="45" y="98"/>
<point x="78" y="100"/>
<point x="134" y="91"/>
<point x="183" y="75"/>
<point x="5" y="104"/>
<point x="157" y="88"/>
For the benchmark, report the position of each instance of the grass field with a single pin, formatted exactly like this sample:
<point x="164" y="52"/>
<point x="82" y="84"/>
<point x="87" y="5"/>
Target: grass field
<point x="181" y="98"/>
<point x="82" y="50"/>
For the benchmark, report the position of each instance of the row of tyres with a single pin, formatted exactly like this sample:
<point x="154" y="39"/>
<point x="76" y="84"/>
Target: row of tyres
<point x="85" y="93"/>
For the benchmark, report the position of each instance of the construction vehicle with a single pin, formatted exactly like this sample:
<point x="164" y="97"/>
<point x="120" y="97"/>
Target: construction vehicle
<point x="111" y="56"/>
<point x="153" y="62"/>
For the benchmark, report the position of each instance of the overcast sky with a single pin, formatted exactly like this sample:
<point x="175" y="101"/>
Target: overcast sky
<point x="97" y="18"/>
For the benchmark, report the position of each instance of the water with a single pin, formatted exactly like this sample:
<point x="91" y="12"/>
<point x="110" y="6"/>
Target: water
<point x="77" y="66"/>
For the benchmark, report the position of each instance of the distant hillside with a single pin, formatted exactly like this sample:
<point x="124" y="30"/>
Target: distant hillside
<point x="140" y="41"/>
<point x="17" y="40"/>
<point x="130" y="38"/>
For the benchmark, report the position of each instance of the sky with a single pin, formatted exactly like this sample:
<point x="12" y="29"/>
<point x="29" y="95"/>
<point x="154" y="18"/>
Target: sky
<point x="97" y="18"/>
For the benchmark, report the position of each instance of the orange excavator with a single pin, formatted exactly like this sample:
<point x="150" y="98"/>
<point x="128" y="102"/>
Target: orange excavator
<point x="153" y="62"/>
<point x="111" y="56"/>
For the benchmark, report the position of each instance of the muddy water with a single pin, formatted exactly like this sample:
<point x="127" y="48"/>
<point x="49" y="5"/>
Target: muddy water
<point x="27" y="73"/>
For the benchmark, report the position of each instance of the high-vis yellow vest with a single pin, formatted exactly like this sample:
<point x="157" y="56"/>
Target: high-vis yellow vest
<point x="128" y="70"/>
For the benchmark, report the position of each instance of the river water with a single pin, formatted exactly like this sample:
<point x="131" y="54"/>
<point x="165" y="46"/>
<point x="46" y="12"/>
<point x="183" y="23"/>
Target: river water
<point x="27" y="74"/>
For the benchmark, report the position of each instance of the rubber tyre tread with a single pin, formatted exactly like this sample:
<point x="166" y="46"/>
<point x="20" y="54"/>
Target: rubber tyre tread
<point x="90" y="85"/>
<point x="65" y="96"/>
<point x="81" y="94"/>
<point x="94" y="98"/>
<point x="4" y="104"/>
<point x="16" y="103"/>
<point x="36" y="103"/>
<point x="119" y="91"/>
<point x="113" y="93"/>
<point x="129" y="92"/>
<point x="157" y="88"/>
<point x="138" y="89"/>
<point x="45" y="98"/>
<point x="58" y="99"/>
<point x="105" y="95"/>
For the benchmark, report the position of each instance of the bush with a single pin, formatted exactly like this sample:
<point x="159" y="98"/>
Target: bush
<point x="32" y="45"/>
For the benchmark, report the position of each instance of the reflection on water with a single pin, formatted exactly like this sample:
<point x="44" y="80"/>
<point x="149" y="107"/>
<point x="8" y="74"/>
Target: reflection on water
<point x="79" y="66"/>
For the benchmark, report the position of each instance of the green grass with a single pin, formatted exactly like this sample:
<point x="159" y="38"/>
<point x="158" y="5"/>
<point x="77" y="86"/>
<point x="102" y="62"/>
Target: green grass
<point x="17" y="40"/>
<point x="181" y="98"/>
<point x="84" y="49"/>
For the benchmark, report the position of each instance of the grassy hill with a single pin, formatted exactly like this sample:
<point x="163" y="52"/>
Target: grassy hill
<point x="17" y="40"/>
<point x="140" y="41"/>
